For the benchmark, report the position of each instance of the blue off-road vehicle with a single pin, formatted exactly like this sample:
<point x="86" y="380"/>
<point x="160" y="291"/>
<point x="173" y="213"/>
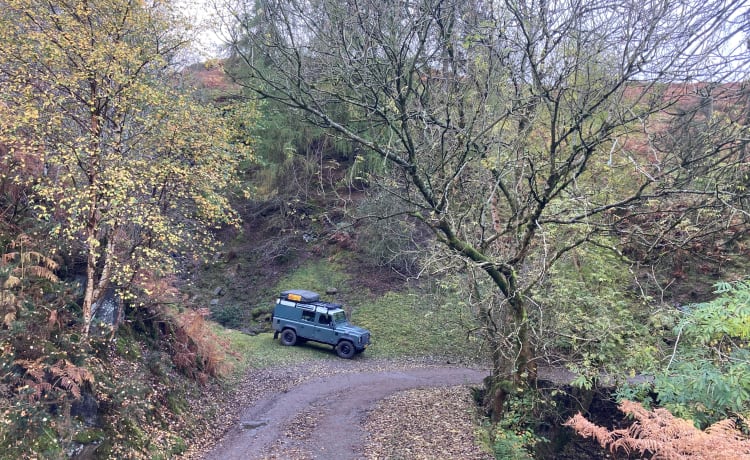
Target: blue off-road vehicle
<point x="300" y="316"/>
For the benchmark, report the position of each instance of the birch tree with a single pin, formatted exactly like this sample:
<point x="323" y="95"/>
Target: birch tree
<point x="134" y="171"/>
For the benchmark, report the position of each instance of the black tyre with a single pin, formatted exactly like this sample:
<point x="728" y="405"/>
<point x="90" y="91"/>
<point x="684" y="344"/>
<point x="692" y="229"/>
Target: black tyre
<point x="345" y="349"/>
<point x="288" y="337"/>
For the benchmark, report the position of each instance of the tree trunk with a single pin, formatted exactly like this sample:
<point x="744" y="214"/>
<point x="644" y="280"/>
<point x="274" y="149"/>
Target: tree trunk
<point x="95" y="290"/>
<point x="88" y="297"/>
<point x="510" y="375"/>
<point x="92" y="224"/>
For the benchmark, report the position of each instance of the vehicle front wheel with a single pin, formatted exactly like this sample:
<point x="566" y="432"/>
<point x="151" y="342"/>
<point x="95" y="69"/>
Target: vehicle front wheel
<point x="345" y="349"/>
<point x="288" y="337"/>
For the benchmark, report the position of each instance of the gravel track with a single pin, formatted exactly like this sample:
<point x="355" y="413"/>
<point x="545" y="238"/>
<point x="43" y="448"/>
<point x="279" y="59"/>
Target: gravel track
<point x="339" y="409"/>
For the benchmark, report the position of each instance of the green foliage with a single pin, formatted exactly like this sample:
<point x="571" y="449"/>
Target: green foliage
<point x="179" y="446"/>
<point x="389" y="241"/>
<point x="176" y="402"/>
<point x="47" y="371"/>
<point x="233" y="316"/>
<point x="512" y="445"/>
<point x="89" y="436"/>
<point x="365" y="166"/>
<point x="592" y="323"/>
<point x="281" y="132"/>
<point x="42" y="365"/>
<point x="297" y="178"/>
<point x="640" y="391"/>
<point x="291" y="155"/>
<point x="240" y="118"/>
<point x="127" y="347"/>
<point x="513" y="436"/>
<point x="708" y="375"/>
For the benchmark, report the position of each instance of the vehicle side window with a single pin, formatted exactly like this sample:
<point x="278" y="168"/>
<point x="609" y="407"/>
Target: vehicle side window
<point x="308" y="316"/>
<point x="324" y="319"/>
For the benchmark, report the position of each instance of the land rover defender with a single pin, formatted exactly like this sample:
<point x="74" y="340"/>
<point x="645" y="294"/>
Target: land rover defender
<point x="300" y="315"/>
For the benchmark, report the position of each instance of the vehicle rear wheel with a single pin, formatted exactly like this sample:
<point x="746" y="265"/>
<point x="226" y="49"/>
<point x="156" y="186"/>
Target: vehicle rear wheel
<point x="288" y="337"/>
<point x="345" y="349"/>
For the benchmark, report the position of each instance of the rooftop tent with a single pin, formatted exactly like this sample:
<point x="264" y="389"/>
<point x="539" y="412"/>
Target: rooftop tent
<point x="300" y="295"/>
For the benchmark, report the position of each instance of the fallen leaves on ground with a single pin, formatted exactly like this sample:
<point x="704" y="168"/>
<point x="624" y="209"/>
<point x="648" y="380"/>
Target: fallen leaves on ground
<point x="434" y="423"/>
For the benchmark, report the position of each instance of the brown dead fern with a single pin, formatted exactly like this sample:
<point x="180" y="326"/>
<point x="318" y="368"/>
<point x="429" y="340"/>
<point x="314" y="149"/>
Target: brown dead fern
<point x="30" y="263"/>
<point x="16" y="266"/>
<point x="43" y="378"/>
<point x="25" y="259"/>
<point x="70" y="377"/>
<point x="8" y="307"/>
<point x="662" y="436"/>
<point x="197" y="351"/>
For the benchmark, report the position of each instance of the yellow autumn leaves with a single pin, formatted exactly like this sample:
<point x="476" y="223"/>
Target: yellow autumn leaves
<point x="131" y="168"/>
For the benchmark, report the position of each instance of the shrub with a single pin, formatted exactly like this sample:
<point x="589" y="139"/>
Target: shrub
<point x="43" y="369"/>
<point x="708" y="375"/>
<point x="590" y="320"/>
<point x="509" y="445"/>
<point x="233" y="316"/>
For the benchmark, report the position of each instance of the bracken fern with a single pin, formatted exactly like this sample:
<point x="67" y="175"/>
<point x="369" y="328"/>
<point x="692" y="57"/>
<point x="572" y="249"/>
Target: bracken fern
<point x="660" y="435"/>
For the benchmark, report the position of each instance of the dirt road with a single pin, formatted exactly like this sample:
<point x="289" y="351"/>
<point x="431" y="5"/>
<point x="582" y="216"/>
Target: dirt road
<point x="322" y="417"/>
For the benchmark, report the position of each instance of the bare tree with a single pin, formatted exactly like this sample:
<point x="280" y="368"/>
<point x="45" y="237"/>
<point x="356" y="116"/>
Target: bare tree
<point x="516" y="130"/>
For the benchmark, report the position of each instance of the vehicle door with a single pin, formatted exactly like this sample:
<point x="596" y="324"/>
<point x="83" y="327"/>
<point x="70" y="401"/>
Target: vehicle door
<point x="306" y="327"/>
<point x="324" y="328"/>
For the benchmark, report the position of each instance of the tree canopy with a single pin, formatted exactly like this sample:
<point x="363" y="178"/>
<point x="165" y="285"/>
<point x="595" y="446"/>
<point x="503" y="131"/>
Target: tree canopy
<point x="520" y="130"/>
<point x="129" y="169"/>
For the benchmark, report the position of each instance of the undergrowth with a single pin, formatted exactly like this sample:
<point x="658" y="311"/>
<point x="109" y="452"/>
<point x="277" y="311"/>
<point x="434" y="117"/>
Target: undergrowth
<point x="119" y="394"/>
